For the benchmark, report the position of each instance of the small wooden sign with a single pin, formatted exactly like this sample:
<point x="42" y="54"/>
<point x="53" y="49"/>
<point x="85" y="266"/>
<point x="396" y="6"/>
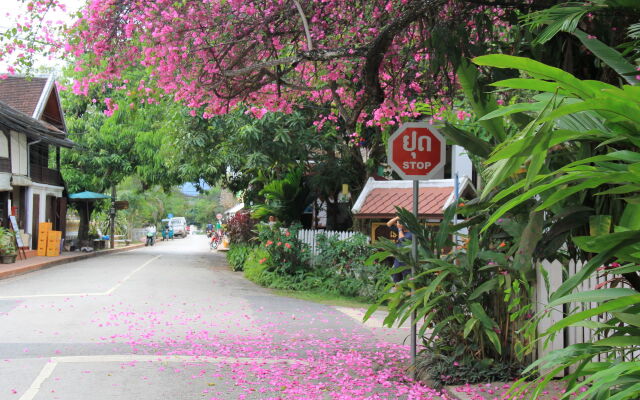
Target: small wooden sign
<point x="121" y="205"/>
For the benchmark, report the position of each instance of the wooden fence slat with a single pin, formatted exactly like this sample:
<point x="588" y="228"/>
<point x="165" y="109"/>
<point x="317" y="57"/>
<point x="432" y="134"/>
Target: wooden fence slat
<point x="310" y="237"/>
<point x="554" y="272"/>
<point x="572" y="335"/>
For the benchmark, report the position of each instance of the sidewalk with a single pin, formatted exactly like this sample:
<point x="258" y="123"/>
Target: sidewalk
<point x="36" y="263"/>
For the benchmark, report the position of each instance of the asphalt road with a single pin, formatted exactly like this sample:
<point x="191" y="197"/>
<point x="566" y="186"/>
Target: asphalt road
<point x="173" y="322"/>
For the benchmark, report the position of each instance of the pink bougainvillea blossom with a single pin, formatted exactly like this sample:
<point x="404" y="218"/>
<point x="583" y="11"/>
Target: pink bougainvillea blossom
<point x="273" y="56"/>
<point x="319" y="359"/>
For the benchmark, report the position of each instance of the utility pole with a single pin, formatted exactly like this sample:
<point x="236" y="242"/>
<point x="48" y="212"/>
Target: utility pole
<point x="112" y="217"/>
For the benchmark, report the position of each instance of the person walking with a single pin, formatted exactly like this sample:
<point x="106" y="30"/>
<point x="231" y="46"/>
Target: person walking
<point x="151" y="235"/>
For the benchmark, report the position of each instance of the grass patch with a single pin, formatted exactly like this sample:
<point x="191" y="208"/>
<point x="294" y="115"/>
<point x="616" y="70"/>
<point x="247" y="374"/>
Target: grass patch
<point x="323" y="298"/>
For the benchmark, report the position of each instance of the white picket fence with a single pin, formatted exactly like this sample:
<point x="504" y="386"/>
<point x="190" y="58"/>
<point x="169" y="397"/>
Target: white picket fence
<point x="310" y="237"/>
<point x="573" y="334"/>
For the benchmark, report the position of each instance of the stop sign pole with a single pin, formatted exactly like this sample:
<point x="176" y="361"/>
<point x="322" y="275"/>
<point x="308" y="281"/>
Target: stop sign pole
<point x="416" y="151"/>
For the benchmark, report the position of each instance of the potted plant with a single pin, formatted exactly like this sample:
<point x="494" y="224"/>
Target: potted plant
<point x="8" y="250"/>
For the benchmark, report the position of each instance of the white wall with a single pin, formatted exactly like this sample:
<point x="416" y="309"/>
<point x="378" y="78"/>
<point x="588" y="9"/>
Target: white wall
<point x="4" y="145"/>
<point x="461" y="163"/>
<point x="19" y="154"/>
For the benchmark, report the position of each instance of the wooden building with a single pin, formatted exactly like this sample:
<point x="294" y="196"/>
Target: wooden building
<point x="32" y="132"/>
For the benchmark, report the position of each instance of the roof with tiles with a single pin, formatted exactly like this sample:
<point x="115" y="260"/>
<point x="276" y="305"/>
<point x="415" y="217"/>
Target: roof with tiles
<point x="382" y="203"/>
<point x="379" y="199"/>
<point x="22" y="94"/>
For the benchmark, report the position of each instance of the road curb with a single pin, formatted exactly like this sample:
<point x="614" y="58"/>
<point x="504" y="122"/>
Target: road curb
<point x="67" y="259"/>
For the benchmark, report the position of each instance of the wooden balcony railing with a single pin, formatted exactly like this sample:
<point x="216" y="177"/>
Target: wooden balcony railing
<point x="5" y="164"/>
<point x="45" y="175"/>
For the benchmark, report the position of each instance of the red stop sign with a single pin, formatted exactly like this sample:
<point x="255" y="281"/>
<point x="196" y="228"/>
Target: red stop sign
<point x="416" y="151"/>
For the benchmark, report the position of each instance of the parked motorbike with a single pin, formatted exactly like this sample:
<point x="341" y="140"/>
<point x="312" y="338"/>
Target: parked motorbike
<point x="216" y="238"/>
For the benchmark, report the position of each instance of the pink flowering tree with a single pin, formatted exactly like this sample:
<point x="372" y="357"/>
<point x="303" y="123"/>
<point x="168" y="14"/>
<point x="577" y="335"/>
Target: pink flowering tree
<point x="367" y="62"/>
<point x="371" y="59"/>
<point x="36" y="32"/>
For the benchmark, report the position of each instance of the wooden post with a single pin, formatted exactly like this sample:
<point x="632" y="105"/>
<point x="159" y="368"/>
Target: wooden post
<point x="112" y="217"/>
<point x="414" y="265"/>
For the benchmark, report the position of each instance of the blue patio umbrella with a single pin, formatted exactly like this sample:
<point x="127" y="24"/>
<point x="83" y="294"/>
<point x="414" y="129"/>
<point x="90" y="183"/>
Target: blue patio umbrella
<point x="88" y="196"/>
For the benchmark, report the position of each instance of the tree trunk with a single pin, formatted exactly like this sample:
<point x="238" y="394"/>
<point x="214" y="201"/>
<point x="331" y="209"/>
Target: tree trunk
<point x="84" y="210"/>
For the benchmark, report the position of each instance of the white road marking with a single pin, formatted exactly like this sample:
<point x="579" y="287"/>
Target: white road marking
<point x="126" y="278"/>
<point x="107" y="293"/>
<point x="37" y="383"/>
<point x="46" y="372"/>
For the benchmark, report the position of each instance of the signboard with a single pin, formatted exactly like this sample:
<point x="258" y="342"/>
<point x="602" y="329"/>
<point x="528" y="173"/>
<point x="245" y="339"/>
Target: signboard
<point x="121" y="205"/>
<point x="14" y="226"/>
<point x="381" y="230"/>
<point x="416" y="151"/>
<point x="219" y="216"/>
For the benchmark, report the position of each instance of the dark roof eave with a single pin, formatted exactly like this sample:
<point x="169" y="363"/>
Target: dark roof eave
<point x="66" y="143"/>
<point x="14" y="120"/>
<point x="392" y="215"/>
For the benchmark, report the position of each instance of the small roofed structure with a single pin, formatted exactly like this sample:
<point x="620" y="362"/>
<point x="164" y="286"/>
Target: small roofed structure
<point x="233" y="210"/>
<point x="378" y="201"/>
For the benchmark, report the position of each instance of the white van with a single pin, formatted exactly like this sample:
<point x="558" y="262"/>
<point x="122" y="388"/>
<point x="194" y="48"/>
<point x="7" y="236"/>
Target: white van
<point x="179" y="226"/>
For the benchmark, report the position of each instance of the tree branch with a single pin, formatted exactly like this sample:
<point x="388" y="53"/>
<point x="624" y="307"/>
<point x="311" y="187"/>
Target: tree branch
<point x="380" y="45"/>
<point x="305" y="23"/>
<point x="310" y="55"/>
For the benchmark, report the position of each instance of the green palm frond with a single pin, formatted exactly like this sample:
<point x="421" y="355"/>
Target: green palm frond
<point x="561" y="18"/>
<point x="634" y="31"/>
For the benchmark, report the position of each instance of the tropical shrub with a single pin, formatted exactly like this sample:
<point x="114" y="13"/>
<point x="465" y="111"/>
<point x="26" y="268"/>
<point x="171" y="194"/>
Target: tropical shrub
<point x="339" y="268"/>
<point x="343" y="267"/>
<point x="441" y="369"/>
<point x="582" y="144"/>
<point x="347" y="256"/>
<point x="7" y="242"/>
<point x="238" y="254"/>
<point x="285" y="198"/>
<point x="241" y="228"/>
<point x="472" y="302"/>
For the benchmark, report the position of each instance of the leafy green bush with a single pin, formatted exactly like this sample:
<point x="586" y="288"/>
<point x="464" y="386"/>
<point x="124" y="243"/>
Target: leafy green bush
<point x="341" y="267"/>
<point x="254" y="266"/>
<point x="362" y="282"/>
<point x="346" y="256"/>
<point x="238" y="254"/>
<point x="7" y="242"/>
<point x="459" y="369"/>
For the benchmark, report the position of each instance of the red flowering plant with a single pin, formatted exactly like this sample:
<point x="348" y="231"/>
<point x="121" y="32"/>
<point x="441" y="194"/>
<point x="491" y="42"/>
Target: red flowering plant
<point x="241" y="228"/>
<point x="286" y="254"/>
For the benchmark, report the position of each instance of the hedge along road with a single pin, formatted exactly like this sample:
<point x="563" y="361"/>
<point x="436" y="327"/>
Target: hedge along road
<point x="173" y="322"/>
